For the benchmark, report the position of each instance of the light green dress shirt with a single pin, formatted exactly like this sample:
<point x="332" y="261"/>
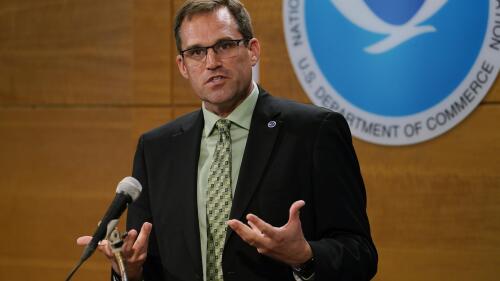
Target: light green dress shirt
<point x="240" y="118"/>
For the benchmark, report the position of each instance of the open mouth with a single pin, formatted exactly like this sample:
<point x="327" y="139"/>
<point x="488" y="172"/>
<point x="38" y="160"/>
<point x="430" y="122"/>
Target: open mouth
<point x="215" y="79"/>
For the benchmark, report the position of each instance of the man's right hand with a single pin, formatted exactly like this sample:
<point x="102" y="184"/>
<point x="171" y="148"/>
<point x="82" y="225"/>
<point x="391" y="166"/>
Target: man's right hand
<point x="135" y="250"/>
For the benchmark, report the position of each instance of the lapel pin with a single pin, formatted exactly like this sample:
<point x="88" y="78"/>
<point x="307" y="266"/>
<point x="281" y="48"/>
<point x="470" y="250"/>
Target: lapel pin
<point x="271" y="124"/>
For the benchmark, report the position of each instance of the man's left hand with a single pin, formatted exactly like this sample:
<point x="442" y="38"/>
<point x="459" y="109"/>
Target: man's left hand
<point x="286" y="243"/>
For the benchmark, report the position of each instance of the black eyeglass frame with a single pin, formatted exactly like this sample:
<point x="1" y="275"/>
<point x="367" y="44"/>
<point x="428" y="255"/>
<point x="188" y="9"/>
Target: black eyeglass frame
<point x="237" y="41"/>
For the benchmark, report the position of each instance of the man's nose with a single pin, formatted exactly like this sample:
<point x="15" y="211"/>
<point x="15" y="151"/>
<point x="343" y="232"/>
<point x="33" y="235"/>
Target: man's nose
<point x="212" y="60"/>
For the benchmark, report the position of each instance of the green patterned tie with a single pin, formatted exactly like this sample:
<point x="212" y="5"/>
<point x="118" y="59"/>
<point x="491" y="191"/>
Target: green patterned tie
<point x="219" y="200"/>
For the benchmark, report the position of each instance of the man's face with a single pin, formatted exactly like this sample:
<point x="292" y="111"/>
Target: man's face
<point x="222" y="83"/>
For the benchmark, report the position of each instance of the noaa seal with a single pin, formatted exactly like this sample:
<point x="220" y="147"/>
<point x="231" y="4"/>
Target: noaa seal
<point x="401" y="72"/>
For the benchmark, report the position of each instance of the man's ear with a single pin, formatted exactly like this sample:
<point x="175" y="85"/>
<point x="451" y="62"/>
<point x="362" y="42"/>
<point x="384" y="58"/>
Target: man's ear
<point x="254" y="50"/>
<point x="182" y="66"/>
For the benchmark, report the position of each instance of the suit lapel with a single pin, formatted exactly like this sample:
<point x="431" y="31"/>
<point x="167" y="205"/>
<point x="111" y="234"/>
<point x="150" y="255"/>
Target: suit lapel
<point x="185" y="174"/>
<point x="264" y="131"/>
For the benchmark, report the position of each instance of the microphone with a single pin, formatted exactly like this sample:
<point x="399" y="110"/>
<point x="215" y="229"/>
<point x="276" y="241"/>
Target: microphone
<point x="127" y="191"/>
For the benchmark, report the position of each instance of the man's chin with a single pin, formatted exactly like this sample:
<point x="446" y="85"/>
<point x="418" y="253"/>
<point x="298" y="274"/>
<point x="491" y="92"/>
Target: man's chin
<point x="218" y="95"/>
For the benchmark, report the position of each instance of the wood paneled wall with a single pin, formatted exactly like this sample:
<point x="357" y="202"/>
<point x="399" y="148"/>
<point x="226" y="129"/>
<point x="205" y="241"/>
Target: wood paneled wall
<point x="81" y="79"/>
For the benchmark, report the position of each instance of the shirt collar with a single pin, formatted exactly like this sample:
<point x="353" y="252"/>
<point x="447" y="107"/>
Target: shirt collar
<point x="241" y="115"/>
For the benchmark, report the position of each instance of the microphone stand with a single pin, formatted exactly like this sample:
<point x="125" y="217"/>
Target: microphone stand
<point x="116" y="243"/>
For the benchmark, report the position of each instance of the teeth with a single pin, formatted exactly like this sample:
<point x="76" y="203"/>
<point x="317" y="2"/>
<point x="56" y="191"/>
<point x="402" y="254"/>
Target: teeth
<point x="216" y="78"/>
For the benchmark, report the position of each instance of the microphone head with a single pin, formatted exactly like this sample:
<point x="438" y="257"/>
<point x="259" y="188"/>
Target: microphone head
<point x="129" y="186"/>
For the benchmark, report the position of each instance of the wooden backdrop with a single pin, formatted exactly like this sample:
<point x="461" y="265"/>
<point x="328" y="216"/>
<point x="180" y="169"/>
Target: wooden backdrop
<point x="81" y="79"/>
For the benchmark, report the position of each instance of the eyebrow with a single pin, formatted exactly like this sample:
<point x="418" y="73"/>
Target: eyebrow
<point x="201" y="46"/>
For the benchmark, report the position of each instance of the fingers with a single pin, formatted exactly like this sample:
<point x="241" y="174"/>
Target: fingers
<point x="243" y="230"/>
<point x="128" y="242"/>
<point x="133" y="242"/>
<point x="261" y="226"/>
<point x="295" y="211"/>
<point x="135" y="245"/>
<point x="83" y="240"/>
<point x="141" y="244"/>
<point x="252" y="234"/>
<point x="255" y="228"/>
<point x="246" y="233"/>
<point x="102" y="246"/>
<point x="105" y="248"/>
<point x="285" y="243"/>
<point x="134" y="248"/>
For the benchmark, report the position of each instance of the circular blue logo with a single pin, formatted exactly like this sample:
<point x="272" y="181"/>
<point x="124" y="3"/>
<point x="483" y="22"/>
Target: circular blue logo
<point x="389" y="65"/>
<point x="409" y="77"/>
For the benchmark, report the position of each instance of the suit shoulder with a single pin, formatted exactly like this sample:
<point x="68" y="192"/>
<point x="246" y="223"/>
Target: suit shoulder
<point x="173" y="127"/>
<point x="296" y="110"/>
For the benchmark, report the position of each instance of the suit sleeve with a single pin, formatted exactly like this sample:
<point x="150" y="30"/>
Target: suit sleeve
<point x="139" y="212"/>
<point x="343" y="249"/>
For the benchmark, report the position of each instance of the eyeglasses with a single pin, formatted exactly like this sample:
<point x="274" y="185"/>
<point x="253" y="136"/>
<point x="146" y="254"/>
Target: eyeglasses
<point x="223" y="49"/>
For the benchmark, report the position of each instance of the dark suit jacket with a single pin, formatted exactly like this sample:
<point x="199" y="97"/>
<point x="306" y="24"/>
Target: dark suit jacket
<point x="308" y="155"/>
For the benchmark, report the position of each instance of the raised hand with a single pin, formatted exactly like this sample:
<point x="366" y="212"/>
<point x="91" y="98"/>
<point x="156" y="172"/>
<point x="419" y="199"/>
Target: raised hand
<point x="135" y="248"/>
<point x="286" y="243"/>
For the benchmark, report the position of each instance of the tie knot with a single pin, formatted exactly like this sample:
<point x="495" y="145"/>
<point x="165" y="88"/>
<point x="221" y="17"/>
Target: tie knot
<point x="223" y="125"/>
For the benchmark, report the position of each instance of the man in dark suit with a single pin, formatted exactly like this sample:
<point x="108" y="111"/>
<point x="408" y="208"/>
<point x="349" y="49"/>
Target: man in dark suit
<point x="291" y="191"/>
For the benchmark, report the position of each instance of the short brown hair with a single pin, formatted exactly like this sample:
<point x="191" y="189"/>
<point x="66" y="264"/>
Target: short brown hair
<point x="192" y="7"/>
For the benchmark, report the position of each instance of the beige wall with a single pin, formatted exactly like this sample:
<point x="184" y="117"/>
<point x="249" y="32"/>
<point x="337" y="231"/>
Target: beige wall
<point x="79" y="81"/>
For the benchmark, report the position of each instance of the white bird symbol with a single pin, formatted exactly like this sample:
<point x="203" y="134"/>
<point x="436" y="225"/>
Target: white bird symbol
<point x="359" y="13"/>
